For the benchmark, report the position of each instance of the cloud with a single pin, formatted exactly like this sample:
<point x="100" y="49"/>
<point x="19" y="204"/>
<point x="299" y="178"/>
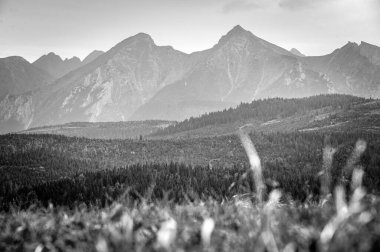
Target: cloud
<point x="241" y="5"/>
<point x="246" y="5"/>
<point x="302" y="4"/>
<point x="3" y="5"/>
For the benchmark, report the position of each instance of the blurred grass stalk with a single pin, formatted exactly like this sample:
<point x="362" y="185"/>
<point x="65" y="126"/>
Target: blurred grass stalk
<point x="355" y="206"/>
<point x="255" y="164"/>
<point x="267" y="213"/>
<point x="343" y="210"/>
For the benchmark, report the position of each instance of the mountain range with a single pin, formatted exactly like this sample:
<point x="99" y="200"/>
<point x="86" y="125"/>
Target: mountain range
<point x="56" y="67"/>
<point x="139" y="80"/>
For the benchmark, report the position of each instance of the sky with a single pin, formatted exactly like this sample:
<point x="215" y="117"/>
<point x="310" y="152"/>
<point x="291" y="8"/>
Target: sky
<point x="31" y="28"/>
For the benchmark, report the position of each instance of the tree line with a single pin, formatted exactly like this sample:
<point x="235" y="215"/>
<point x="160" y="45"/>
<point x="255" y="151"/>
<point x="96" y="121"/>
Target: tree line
<point x="263" y="110"/>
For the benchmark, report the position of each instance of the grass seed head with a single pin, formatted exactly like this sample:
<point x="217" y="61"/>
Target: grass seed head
<point x="325" y="174"/>
<point x="359" y="149"/>
<point x="101" y="245"/>
<point x="167" y="234"/>
<point x="255" y="163"/>
<point x="208" y="226"/>
<point x="357" y="178"/>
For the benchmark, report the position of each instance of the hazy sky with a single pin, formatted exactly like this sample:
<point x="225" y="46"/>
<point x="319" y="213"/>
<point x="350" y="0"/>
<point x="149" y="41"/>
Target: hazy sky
<point x="31" y="28"/>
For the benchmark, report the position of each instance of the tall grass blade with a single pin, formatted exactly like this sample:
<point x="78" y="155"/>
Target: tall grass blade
<point x="255" y="163"/>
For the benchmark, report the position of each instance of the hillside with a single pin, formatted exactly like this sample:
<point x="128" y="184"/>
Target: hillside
<point x="317" y="113"/>
<point x="102" y="130"/>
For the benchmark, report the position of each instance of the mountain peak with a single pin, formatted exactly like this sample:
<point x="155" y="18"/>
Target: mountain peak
<point x="239" y="38"/>
<point x="55" y="65"/>
<point x="14" y="59"/>
<point x="92" y="56"/>
<point x="364" y="44"/>
<point x="296" y="52"/>
<point x="140" y="39"/>
<point x="143" y="37"/>
<point x="237" y="30"/>
<point x="349" y="47"/>
<point x="351" y="44"/>
<point x="371" y="52"/>
<point x="73" y="59"/>
<point x="52" y="55"/>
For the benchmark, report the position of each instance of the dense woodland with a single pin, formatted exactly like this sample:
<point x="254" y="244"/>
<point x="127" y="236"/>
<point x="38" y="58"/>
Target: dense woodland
<point x="264" y="110"/>
<point x="67" y="170"/>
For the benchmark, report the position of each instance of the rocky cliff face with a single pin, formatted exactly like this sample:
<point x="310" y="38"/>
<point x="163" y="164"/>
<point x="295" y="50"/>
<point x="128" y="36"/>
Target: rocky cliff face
<point x="16" y="113"/>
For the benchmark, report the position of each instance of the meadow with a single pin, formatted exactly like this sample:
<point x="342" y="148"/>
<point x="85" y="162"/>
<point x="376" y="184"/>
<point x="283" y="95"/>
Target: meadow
<point x="303" y="200"/>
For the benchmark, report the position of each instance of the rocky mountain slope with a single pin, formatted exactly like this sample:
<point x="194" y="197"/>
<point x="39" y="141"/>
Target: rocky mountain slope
<point x="114" y="85"/>
<point x="138" y="80"/>
<point x="93" y="55"/>
<point x="17" y="79"/>
<point x="16" y="112"/>
<point x="352" y="69"/>
<point x="240" y="68"/>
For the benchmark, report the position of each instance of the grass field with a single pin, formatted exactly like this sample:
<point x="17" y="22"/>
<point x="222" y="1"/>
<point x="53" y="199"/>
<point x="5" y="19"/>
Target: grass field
<point x="265" y="218"/>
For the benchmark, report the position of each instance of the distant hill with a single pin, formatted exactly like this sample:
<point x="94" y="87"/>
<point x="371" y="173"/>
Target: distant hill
<point x="102" y="130"/>
<point x="317" y="113"/>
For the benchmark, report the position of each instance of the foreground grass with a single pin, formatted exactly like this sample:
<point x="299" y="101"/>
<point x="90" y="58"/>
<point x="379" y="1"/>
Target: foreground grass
<point x="245" y="222"/>
<point x="237" y="225"/>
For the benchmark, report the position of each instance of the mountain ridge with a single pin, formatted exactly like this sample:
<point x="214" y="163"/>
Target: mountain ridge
<point x="139" y="80"/>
